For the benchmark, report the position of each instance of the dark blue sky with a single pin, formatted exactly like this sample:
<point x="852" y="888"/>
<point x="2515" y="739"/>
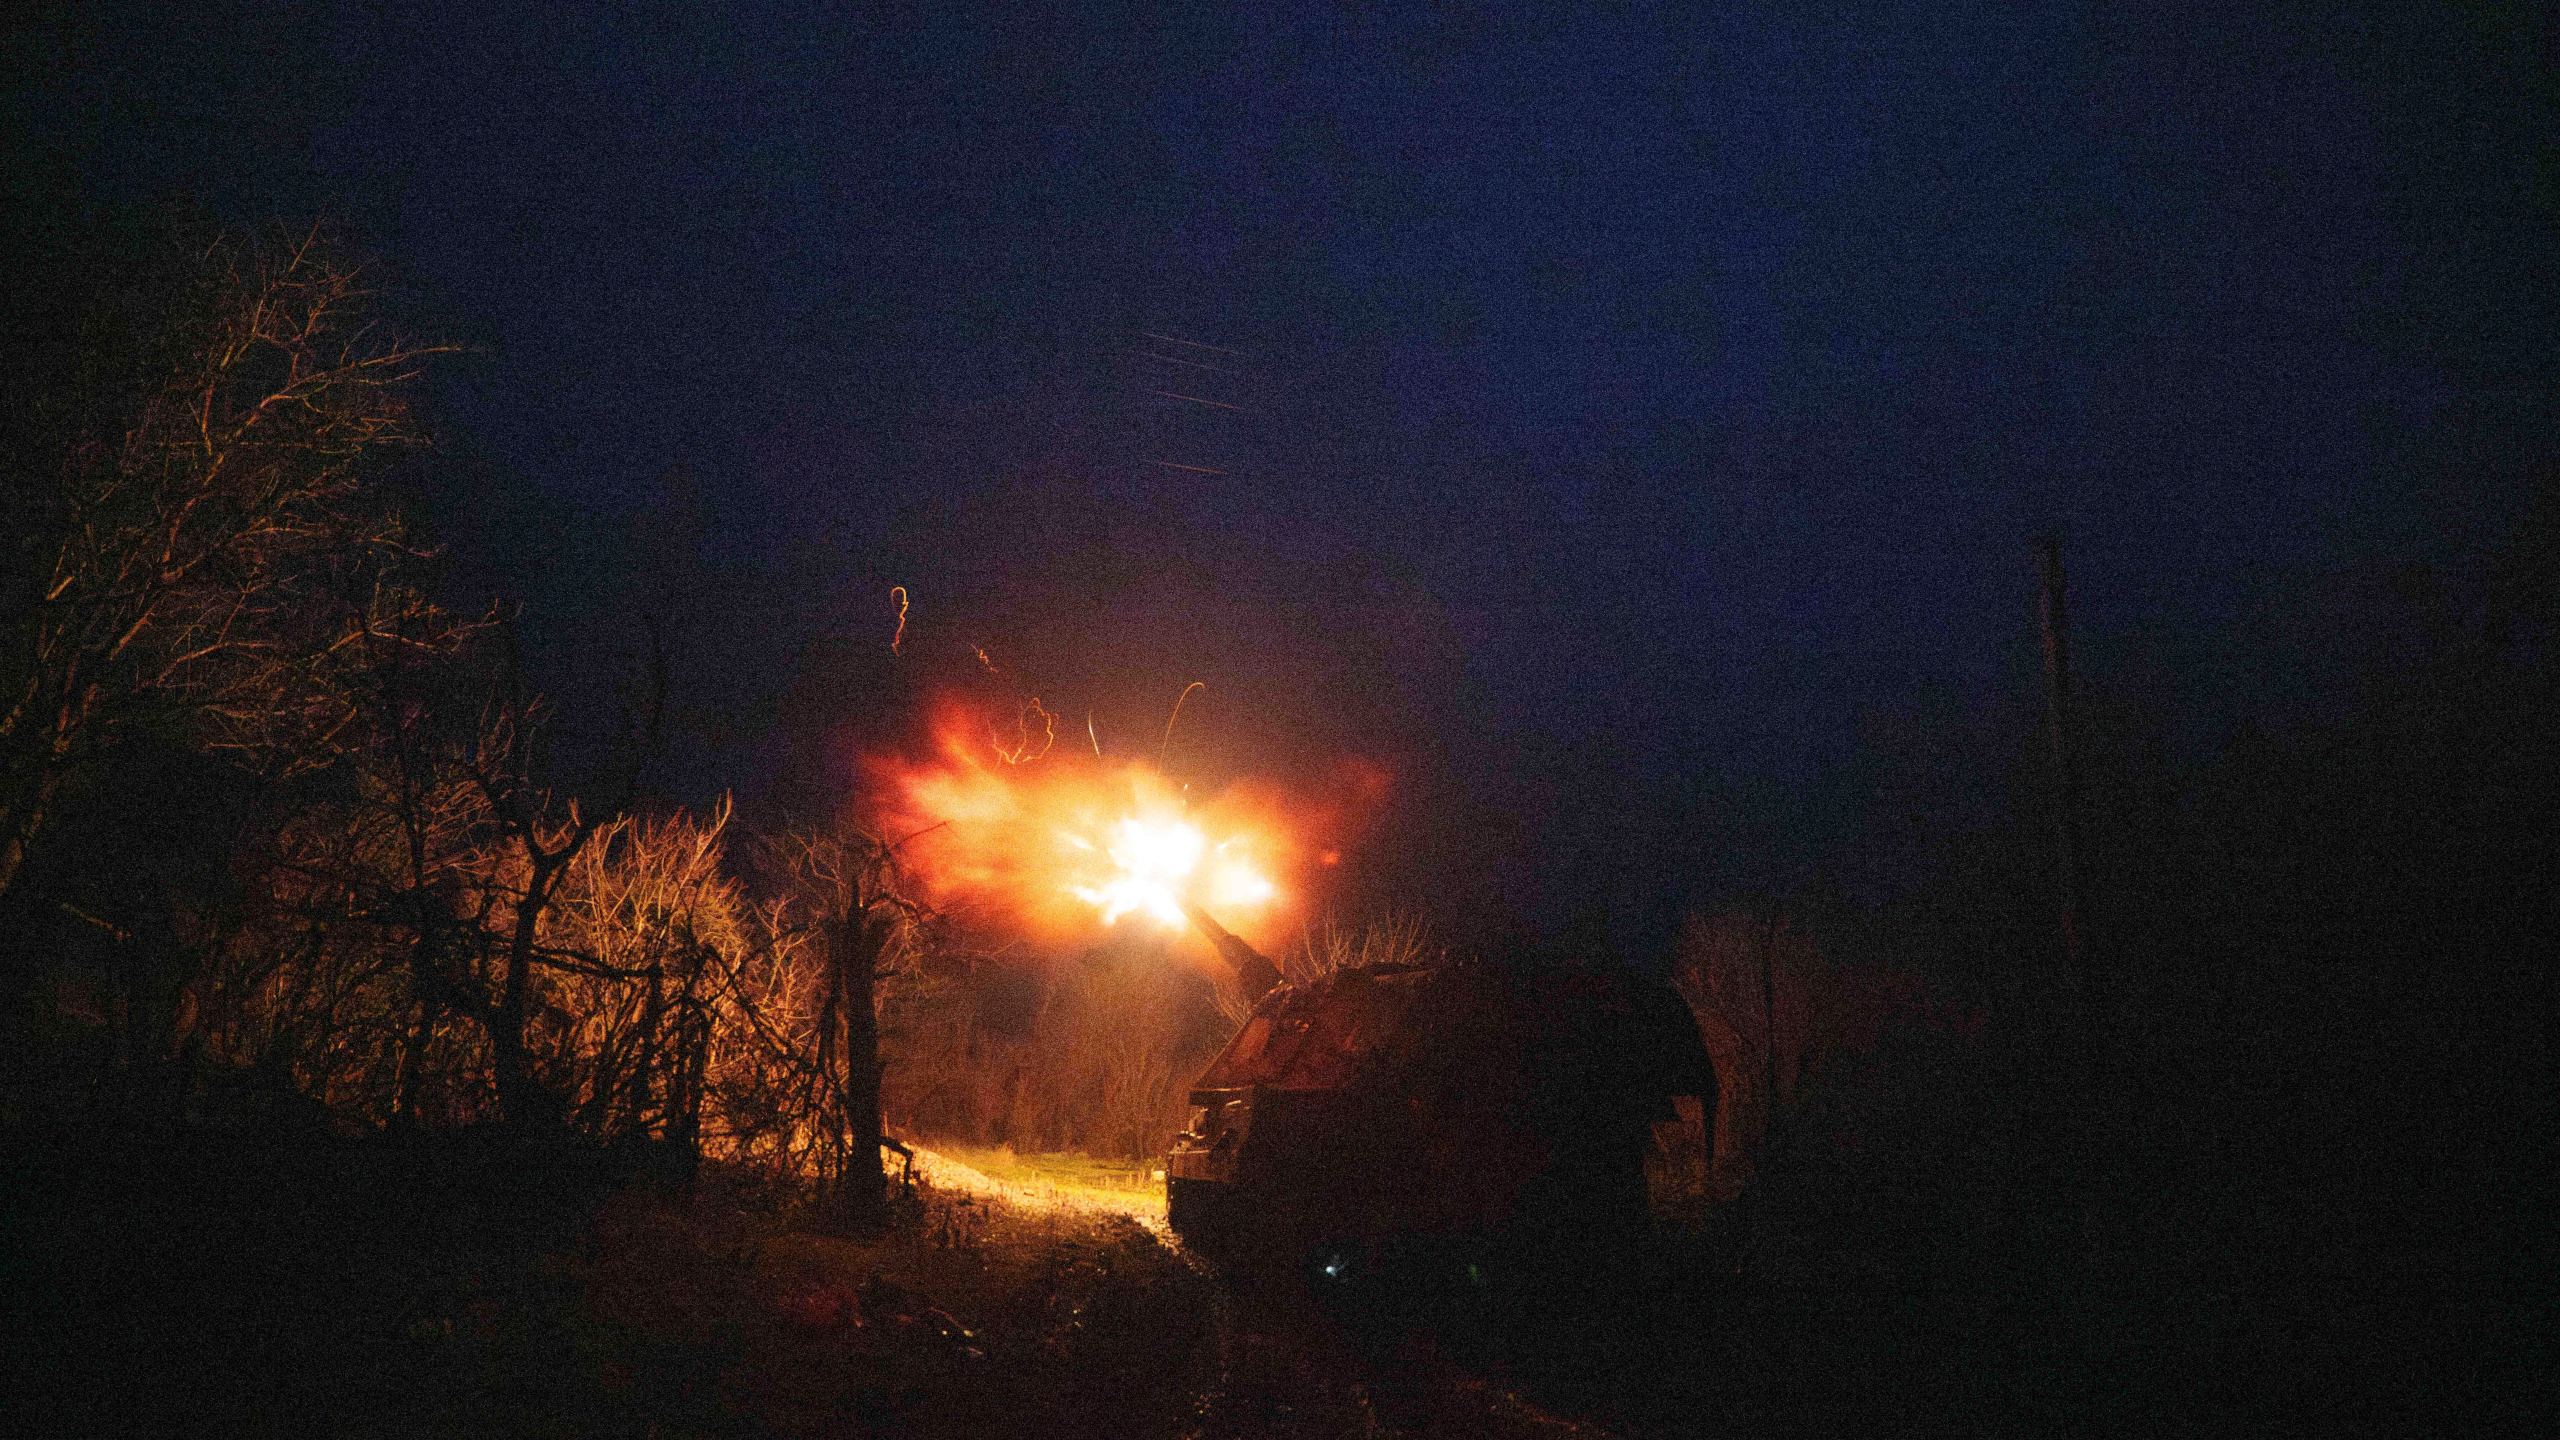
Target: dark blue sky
<point x="1612" y="406"/>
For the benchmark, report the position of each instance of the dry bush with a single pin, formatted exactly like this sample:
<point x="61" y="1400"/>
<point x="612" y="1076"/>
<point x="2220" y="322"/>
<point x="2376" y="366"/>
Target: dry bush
<point x="844" y="911"/>
<point x="1399" y="937"/>
<point x="646" y="920"/>
<point x="202" y="563"/>
<point x="1101" y="1065"/>
<point x="757" y="1071"/>
<point x="1123" y="1037"/>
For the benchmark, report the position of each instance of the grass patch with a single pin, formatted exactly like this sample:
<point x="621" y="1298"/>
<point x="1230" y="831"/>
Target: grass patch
<point x="1112" y="1184"/>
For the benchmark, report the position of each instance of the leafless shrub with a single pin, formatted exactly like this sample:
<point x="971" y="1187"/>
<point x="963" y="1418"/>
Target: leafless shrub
<point x="431" y="928"/>
<point x="1399" y="937"/>
<point x="647" y="914"/>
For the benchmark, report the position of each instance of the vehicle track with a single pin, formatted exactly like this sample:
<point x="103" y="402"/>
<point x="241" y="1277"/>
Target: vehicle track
<point x="1274" y="1367"/>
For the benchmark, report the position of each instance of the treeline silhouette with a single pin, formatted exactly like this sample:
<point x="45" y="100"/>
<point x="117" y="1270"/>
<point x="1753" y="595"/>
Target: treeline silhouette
<point x="285" y="844"/>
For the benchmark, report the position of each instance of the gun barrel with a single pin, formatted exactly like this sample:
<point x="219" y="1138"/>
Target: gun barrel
<point x="1248" y="969"/>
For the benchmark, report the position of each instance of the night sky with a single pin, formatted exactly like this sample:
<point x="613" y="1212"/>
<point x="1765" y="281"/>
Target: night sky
<point x="1596" y="416"/>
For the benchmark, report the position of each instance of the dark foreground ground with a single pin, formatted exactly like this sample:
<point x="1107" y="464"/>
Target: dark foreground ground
<point x="374" y="1290"/>
<point x="362" y="1290"/>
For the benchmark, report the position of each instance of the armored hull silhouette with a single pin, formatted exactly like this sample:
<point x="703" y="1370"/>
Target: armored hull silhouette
<point x="1433" y="1100"/>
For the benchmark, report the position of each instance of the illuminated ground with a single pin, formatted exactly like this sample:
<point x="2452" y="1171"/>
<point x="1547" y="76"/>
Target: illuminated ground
<point x="1276" y="1367"/>
<point x="1072" y="1183"/>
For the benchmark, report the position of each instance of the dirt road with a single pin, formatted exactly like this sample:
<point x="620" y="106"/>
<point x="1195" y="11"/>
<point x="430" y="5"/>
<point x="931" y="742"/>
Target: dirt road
<point x="1271" y="1363"/>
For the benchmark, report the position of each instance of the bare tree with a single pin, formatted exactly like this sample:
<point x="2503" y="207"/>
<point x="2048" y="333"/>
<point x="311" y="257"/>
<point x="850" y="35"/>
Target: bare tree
<point x="351" y="980"/>
<point x="852" y="902"/>
<point x="175" y="560"/>
<point x="540" y="835"/>
<point x="444" y="858"/>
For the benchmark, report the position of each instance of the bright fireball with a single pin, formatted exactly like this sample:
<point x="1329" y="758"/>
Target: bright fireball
<point x="1156" y="862"/>
<point x="1064" y="843"/>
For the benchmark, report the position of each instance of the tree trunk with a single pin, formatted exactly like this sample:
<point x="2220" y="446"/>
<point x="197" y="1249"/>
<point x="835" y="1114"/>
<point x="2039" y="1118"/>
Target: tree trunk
<point x="684" y="1118"/>
<point x="521" y="1102"/>
<point x="18" y="826"/>
<point x="413" y="1059"/>
<point x="638" y="1088"/>
<point x="865" y="1183"/>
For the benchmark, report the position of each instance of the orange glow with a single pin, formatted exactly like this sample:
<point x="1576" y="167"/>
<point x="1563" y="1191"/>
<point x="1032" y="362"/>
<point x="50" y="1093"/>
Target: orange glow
<point x="1063" y="843"/>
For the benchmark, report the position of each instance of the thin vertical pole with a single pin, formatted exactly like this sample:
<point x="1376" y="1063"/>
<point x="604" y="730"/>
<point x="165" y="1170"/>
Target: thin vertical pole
<point x="1769" y="1011"/>
<point x="2066" y="773"/>
<point x="2092" y="1071"/>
